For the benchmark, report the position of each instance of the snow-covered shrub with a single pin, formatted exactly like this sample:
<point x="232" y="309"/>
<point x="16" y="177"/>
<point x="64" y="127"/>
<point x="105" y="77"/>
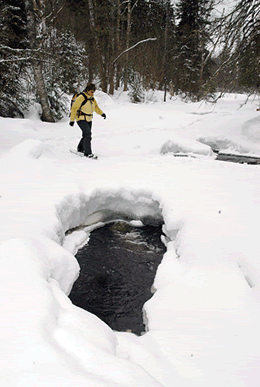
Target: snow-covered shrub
<point x="136" y="92"/>
<point x="64" y="72"/>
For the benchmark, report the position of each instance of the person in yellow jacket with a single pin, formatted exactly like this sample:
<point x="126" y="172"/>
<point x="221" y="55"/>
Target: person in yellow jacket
<point x="82" y="110"/>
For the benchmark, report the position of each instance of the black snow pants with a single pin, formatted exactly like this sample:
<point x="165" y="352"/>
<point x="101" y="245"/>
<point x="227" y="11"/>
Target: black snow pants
<point x="85" y="142"/>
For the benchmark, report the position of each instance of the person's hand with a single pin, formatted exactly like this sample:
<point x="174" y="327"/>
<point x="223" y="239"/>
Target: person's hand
<point x="71" y="123"/>
<point x="104" y="116"/>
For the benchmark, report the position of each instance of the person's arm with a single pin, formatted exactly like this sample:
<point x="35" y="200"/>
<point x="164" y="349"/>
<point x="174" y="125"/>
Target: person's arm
<point x="98" y="110"/>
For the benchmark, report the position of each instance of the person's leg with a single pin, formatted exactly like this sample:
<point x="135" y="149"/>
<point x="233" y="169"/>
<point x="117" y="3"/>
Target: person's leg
<point x="85" y="126"/>
<point x="80" y="145"/>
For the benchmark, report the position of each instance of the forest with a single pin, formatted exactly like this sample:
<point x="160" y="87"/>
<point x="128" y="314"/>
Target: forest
<point x="194" y="49"/>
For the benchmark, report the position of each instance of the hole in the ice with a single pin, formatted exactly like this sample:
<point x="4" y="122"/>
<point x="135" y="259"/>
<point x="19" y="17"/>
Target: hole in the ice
<point x="118" y="266"/>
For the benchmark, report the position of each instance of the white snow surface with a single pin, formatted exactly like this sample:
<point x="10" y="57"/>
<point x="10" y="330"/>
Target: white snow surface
<point x="203" y="319"/>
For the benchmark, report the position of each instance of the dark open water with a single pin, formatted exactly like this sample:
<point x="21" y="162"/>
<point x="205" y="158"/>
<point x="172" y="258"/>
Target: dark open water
<point x="118" y="267"/>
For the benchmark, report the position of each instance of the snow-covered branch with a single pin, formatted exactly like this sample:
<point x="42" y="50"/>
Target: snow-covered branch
<point x="135" y="45"/>
<point x="18" y="50"/>
<point x="15" y="60"/>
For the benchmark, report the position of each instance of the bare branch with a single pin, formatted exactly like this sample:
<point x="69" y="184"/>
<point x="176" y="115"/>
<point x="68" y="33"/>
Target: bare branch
<point x="54" y="13"/>
<point x="135" y="45"/>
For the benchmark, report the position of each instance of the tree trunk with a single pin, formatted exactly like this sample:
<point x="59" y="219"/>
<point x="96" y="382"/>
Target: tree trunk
<point x="96" y="42"/>
<point x="111" y="79"/>
<point x="165" y="75"/>
<point x="36" y="64"/>
<point x="118" y="44"/>
<point x="111" y="50"/>
<point x="128" y="30"/>
<point x="41" y="89"/>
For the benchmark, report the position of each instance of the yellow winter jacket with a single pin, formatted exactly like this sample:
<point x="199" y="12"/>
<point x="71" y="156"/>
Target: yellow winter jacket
<point x="86" y="111"/>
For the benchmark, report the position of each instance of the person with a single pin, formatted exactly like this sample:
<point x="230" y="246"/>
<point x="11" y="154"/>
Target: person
<point x="82" y="110"/>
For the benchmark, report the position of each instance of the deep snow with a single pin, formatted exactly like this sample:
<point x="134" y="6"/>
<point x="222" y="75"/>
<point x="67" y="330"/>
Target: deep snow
<point x="203" y="319"/>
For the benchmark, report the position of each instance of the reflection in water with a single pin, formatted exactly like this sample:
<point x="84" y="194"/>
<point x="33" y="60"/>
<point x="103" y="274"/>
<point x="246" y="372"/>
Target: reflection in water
<point x="118" y="266"/>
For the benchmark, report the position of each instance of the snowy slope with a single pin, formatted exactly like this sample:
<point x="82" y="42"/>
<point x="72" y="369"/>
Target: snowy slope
<point x="202" y="322"/>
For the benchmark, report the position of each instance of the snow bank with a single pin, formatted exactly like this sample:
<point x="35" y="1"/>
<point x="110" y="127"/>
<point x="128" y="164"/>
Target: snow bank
<point x="58" y="333"/>
<point x="30" y="148"/>
<point x="203" y="318"/>
<point x="186" y="146"/>
<point x="52" y="339"/>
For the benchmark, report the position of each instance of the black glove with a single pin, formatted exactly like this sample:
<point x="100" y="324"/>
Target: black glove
<point x="71" y="123"/>
<point x="103" y="115"/>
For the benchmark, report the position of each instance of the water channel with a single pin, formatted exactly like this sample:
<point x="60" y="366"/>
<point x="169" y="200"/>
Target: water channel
<point x="118" y="266"/>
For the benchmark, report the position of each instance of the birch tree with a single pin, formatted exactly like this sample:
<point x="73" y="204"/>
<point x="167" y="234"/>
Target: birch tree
<point x="35" y="29"/>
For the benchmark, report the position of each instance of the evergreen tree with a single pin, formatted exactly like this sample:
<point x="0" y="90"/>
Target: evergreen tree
<point x="192" y="38"/>
<point x="12" y="62"/>
<point x="64" y="71"/>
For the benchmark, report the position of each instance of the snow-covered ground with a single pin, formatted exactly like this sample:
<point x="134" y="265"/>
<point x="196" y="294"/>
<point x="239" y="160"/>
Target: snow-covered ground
<point x="203" y="319"/>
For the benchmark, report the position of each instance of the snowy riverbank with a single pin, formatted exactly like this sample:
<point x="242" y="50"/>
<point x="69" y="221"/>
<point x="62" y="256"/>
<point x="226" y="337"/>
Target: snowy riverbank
<point x="204" y="316"/>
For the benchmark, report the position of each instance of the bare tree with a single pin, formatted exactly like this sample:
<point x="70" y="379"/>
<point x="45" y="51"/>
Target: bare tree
<point x="240" y="55"/>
